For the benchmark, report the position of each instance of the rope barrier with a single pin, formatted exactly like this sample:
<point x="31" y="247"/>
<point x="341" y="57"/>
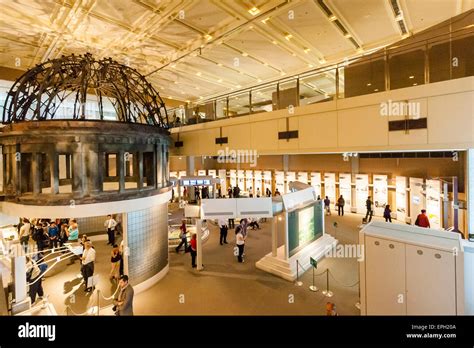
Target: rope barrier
<point x="86" y="313"/>
<point x="343" y="285"/>
<point x="112" y="296"/>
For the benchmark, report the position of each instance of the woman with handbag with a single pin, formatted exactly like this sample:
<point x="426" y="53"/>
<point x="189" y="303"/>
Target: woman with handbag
<point x="193" y="250"/>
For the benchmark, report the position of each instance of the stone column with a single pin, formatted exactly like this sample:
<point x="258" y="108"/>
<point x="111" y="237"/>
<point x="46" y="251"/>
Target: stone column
<point x="92" y="169"/>
<point x="140" y="169"/>
<point x="35" y="173"/>
<point x="120" y="170"/>
<point x="190" y="172"/>
<point x="54" y="171"/>
<point x="159" y="163"/>
<point x="17" y="169"/>
<point x="78" y="174"/>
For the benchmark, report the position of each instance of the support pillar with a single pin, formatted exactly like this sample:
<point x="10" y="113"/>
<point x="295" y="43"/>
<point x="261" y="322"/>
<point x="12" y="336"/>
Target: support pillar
<point x="159" y="164"/>
<point x="120" y="170"/>
<point x="126" y="250"/>
<point x="190" y="172"/>
<point x="285" y="235"/>
<point x="54" y="171"/>
<point x="35" y="173"/>
<point x="199" y="245"/>
<point x="274" y="236"/>
<point x="354" y="170"/>
<point x="140" y="169"/>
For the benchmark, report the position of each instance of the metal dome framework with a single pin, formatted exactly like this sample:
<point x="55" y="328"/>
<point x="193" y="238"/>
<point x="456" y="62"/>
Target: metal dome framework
<point x="39" y="92"/>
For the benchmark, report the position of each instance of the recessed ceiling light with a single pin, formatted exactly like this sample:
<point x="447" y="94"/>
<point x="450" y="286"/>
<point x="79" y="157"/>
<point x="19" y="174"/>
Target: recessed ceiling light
<point x="182" y="92"/>
<point x="369" y="84"/>
<point x="201" y="97"/>
<point x="310" y="65"/>
<point x="376" y="90"/>
<point x="245" y="54"/>
<point x="241" y="72"/>
<point x="264" y="21"/>
<point x="259" y="80"/>
<point x="219" y="64"/>
<point x="188" y="101"/>
<point x="347" y="36"/>
<point x="208" y="37"/>
<point x="288" y="37"/>
<point x="282" y="73"/>
<point x="170" y="97"/>
<point x="293" y="54"/>
<point x="251" y="27"/>
<point x="220" y="80"/>
<point x="254" y="11"/>
<point x="332" y="18"/>
<point x="322" y="60"/>
<point x="197" y="88"/>
<point x="266" y="64"/>
<point x="411" y="77"/>
<point x="274" y="42"/>
<point x="175" y="82"/>
<point x="198" y="73"/>
<point x="238" y="86"/>
<point x="173" y="65"/>
<point x="415" y="84"/>
<point x="306" y="50"/>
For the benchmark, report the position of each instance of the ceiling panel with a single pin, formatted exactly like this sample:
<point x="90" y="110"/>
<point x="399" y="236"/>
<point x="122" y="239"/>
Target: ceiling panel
<point x="421" y="18"/>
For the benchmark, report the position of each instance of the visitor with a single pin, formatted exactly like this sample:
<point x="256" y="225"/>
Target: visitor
<point x="331" y="309"/>
<point x="185" y="193"/>
<point x="34" y="278"/>
<point x="422" y="220"/>
<point x="229" y="192"/>
<point x="277" y="193"/>
<point x="340" y="206"/>
<point x="38" y="235"/>
<point x="319" y="198"/>
<point x="197" y="194"/>
<point x="387" y="213"/>
<point x="183" y="235"/>
<point x="119" y="227"/>
<point x="223" y="231"/>
<point x="370" y="211"/>
<point x="258" y="192"/>
<point x="205" y="192"/>
<point x="115" y="259"/>
<point x="268" y="192"/>
<point x="244" y="224"/>
<point x="254" y="224"/>
<point x="123" y="304"/>
<point x="53" y="233"/>
<point x="62" y="234"/>
<point x="327" y="205"/>
<point x="219" y="191"/>
<point x="73" y="231"/>
<point x="87" y="268"/>
<point x="110" y="225"/>
<point x="193" y="250"/>
<point x="240" y="242"/>
<point x="236" y="192"/>
<point x="231" y="223"/>
<point x="24" y="234"/>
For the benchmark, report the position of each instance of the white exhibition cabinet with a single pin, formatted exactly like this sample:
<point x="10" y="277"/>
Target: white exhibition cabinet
<point x="408" y="270"/>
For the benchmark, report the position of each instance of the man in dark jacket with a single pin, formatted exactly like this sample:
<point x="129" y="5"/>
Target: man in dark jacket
<point x="124" y="302"/>
<point x="340" y="206"/>
<point x="370" y="211"/>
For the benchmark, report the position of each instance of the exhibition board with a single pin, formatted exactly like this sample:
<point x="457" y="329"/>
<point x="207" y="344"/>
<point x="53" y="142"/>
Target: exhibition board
<point x="201" y="172"/>
<point x="280" y="181"/>
<point x="258" y="182"/>
<point x="401" y="197"/>
<point x="233" y="178"/>
<point x="362" y="192"/>
<point x="249" y="186"/>
<point x="380" y="189"/>
<point x="330" y="187"/>
<point x="212" y="172"/>
<point x="345" y="189"/>
<point x="241" y="179"/>
<point x="290" y="176"/>
<point x="302" y="177"/>
<point x="267" y="181"/>
<point x="417" y="198"/>
<point x="222" y="173"/>
<point x="316" y="183"/>
<point x="433" y="202"/>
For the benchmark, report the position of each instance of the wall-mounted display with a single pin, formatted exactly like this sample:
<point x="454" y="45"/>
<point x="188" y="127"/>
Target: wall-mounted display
<point x="280" y="181"/>
<point x="258" y="182"/>
<point x="330" y="187"/>
<point x="233" y="178"/>
<point x="267" y="181"/>
<point x="212" y="172"/>
<point x="316" y="183"/>
<point x="362" y="192"/>
<point x="201" y="172"/>
<point x="302" y="177"/>
<point x="249" y="186"/>
<point x="290" y="176"/>
<point x="380" y="194"/>
<point x="181" y="173"/>
<point x="417" y="198"/>
<point x="401" y="197"/>
<point x="433" y="202"/>
<point x="345" y="189"/>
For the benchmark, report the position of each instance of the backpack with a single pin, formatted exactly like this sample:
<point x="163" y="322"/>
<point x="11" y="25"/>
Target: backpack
<point x="37" y="234"/>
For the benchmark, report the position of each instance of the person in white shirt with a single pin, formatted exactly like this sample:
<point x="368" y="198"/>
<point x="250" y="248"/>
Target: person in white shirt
<point x="240" y="241"/>
<point x="110" y="225"/>
<point x="223" y="229"/>
<point x="87" y="264"/>
<point x="24" y="234"/>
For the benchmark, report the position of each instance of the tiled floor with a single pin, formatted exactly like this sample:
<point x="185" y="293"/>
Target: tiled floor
<point x="225" y="287"/>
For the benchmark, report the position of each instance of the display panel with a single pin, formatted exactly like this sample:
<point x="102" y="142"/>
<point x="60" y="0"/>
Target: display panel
<point x="241" y="179"/>
<point x="401" y="197"/>
<point x="201" y="172"/>
<point x="249" y="186"/>
<point x="380" y="194"/>
<point x="345" y="189"/>
<point x="433" y="203"/>
<point x="280" y="182"/>
<point x="330" y="187"/>
<point x="290" y="176"/>
<point x="267" y="181"/>
<point x="212" y="172"/>
<point x="223" y="179"/>
<point x="305" y="225"/>
<point x="258" y="183"/>
<point x="181" y="173"/>
<point x="316" y="183"/>
<point x="417" y="200"/>
<point x="233" y="178"/>
<point x="302" y="177"/>
<point x="362" y="192"/>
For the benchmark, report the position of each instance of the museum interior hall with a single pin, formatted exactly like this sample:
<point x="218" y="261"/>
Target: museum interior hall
<point x="237" y="158"/>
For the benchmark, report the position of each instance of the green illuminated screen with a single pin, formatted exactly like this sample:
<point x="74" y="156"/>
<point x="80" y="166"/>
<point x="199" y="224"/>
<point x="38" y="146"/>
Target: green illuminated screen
<point x="305" y="225"/>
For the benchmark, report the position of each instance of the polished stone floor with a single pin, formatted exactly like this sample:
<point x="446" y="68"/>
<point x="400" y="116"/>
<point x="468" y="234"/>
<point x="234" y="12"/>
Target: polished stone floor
<point x="224" y="287"/>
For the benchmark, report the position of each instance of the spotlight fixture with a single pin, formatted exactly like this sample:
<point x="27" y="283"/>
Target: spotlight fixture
<point x="198" y="73"/>
<point x="369" y="84"/>
<point x="220" y="80"/>
<point x="245" y="54"/>
<point x="306" y="50"/>
<point x="254" y="11"/>
<point x="208" y="37"/>
<point x="332" y="18"/>
<point x="310" y="65"/>
<point x="411" y="77"/>
<point x="259" y="80"/>
<point x="347" y="36"/>
<point x="264" y="21"/>
<point x="288" y="37"/>
<point x="238" y="86"/>
<point x="219" y="64"/>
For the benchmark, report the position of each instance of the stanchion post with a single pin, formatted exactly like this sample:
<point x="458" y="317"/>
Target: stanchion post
<point x="98" y="301"/>
<point x="298" y="282"/>
<point x="313" y="287"/>
<point x="327" y="292"/>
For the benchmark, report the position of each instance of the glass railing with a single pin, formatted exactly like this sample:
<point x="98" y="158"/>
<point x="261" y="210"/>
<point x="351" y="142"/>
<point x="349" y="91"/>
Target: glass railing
<point x="446" y="54"/>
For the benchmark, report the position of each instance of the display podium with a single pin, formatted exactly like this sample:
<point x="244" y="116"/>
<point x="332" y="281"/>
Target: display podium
<point x="300" y="219"/>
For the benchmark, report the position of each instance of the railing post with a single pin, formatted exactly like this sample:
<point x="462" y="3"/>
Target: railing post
<point x="327" y="292"/>
<point x="298" y="282"/>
